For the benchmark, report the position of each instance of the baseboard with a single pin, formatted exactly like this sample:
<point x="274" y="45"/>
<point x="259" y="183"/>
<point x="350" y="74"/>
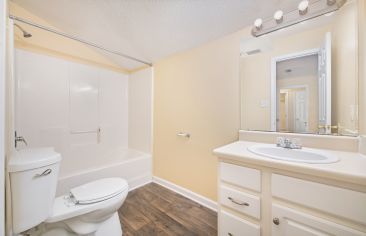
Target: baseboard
<point x="139" y="182"/>
<point x="204" y="201"/>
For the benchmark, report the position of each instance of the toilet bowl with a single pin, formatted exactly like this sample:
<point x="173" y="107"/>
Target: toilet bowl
<point x="89" y="209"/>
<point x="86" y="207"/>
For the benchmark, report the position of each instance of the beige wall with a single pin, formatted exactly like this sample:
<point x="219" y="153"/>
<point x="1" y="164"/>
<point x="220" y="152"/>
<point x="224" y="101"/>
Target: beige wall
<point x="196" y="91"/>
<point x="254" y="91"/>
<point x="344" y="71"/>
<point x="54" y="45"/>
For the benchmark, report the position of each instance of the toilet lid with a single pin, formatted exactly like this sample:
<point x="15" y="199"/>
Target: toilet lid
<point x="98" y="190"/>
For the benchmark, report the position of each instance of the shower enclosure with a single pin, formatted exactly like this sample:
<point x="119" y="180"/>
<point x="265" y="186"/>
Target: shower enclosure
<point x="85" y="113"/>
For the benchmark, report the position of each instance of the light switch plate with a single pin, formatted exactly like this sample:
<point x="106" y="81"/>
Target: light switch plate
<point x="264" y="103"/>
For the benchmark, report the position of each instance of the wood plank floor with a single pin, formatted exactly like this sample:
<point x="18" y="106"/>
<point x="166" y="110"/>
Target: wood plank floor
<point x="154" y="210"/>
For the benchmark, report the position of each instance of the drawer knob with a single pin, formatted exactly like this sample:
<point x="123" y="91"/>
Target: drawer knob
<point x="230" y="234"/>
<point x="276" y="221"/>
<point x="238" y="203"/>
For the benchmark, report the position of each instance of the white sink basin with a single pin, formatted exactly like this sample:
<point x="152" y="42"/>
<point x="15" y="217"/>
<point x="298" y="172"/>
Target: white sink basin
<point x="304" y="155"/>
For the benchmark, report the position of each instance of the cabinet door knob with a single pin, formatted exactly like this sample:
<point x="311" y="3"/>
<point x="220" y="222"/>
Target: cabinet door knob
<point x="230" y="234"/>
<point x="276" y="221"/>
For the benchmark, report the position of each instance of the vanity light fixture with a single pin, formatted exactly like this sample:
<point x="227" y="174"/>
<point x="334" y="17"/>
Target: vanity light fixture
<point x="278" y="16"/>
<point x="305" y="10"/>
<point x="258" y="23"/>
<point x="303" y="7"/>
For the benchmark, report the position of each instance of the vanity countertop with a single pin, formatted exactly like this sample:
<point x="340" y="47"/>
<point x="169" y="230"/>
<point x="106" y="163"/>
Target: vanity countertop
<point x="350" y="168"/>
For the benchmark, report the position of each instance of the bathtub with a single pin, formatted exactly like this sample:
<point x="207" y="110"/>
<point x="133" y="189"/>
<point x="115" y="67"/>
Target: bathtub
<point x="132" y="165"/>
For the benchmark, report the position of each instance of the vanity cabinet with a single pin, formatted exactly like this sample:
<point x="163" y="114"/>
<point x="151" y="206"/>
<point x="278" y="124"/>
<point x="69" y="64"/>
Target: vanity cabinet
<point x="256" y="200"/>
<point x="235" y="202"/>
<point x="289" y="222"/>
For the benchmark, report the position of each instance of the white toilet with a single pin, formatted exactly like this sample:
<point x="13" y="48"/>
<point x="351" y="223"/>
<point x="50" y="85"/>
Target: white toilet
<point x="90" y="209"/>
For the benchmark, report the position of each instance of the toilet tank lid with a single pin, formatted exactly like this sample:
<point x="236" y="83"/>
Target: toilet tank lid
<point x="32" y="158"/>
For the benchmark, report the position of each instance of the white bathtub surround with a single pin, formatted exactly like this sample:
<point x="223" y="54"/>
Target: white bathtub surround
<point x="341" y="143"/>
<point x="83" y="112"/>
<point x="131" y="165"/>
<point x="362" y="145"/>
<point x="140" y="108"/>
<point x="63" y="104"/>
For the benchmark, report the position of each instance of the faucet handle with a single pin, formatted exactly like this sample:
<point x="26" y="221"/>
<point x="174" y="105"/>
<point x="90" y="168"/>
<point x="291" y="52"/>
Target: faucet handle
<point x="296" y="143"/>
<point x="280" y="141"/>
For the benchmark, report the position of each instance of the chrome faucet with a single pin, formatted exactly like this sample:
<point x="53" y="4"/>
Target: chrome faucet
<point x="288" y="143"/>
<point x="19" y="139"/>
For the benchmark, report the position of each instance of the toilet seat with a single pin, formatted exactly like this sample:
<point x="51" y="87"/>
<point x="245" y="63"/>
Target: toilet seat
<point x="98" y="190"/>
<point x="89" y="197"/>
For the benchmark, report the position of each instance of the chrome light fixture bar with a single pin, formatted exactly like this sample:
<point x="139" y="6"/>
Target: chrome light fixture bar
<point x="306" y="10"/>
<point x="15" y="18"/>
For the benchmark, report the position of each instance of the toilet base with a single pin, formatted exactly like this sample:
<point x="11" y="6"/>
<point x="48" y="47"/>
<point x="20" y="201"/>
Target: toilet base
<point x="110" y="227"/>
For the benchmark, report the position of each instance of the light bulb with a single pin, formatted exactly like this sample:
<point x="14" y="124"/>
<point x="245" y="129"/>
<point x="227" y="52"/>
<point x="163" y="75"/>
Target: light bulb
<point x="303" y="7"/>
<point x="278" y="16"/>
<point x="258" y="23"/>
<point x="331" y="2"/>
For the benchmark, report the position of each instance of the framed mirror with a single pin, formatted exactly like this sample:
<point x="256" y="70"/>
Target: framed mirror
<point x="303" y="79"/>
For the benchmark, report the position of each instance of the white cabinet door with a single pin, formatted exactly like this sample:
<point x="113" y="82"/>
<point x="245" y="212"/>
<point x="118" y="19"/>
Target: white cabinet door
<point x="290" y="222"/>
<point x="231" y="225"/>
<point x="341" y="202"/>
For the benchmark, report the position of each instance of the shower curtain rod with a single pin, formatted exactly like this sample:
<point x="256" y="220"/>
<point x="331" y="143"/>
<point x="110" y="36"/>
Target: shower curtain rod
<point x="77" y="39"/>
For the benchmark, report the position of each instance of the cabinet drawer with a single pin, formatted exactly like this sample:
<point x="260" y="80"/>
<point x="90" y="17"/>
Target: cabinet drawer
<point x="242" y="202"/>
<point x="338" y="201"/>
<point x="292" y="222"/>
<point x="235" y="226"/>
<point x="241" y="176"/>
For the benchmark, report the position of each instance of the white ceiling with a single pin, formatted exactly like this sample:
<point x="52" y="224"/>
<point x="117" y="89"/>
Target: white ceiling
<point x="152" y="29"/>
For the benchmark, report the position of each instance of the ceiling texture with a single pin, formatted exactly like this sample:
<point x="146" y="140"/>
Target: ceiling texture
<point x="152" y="29"/>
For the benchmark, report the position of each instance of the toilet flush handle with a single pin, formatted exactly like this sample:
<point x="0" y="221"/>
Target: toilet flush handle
<point x="44" y="173"/>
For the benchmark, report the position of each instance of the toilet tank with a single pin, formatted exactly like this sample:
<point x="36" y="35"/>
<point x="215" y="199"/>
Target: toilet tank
<point x="33" y="181"/>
